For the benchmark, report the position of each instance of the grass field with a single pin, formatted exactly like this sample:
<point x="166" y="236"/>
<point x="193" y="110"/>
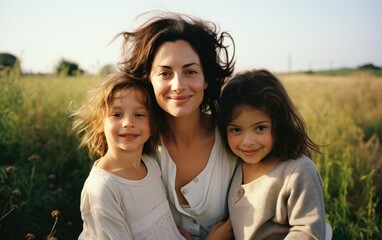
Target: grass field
<point x="41" y="169"/>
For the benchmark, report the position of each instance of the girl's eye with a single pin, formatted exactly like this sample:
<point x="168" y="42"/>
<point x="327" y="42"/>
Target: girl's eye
<point x="140" y="115"/>
<point x="116" y="115"/>
<point x="234" y="130"/>
<point x="261" y="129"/>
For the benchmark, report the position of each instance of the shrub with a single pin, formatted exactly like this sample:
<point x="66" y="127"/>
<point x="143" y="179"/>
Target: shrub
<point x="67" y="68"/>
<point x="9" y="64"/>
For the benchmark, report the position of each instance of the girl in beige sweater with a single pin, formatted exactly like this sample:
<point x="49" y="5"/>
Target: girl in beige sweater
<point x="276" y="191"/>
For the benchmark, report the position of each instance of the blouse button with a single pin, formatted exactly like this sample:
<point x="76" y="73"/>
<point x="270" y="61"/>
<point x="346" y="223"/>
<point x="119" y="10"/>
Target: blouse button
<point x="185" y="191"/>
<point x="195" y="221"/>
<point x="240" y="193"/>
<point x="196" y="179"/>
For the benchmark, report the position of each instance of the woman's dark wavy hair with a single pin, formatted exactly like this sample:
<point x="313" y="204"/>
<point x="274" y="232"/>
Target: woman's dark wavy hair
<point x="140" y="46"/>
<point x="261" y="90"/>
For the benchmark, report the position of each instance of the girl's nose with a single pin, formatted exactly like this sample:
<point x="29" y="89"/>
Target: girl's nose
<point x="249" y="139"/>
<point x="127" y="122"/>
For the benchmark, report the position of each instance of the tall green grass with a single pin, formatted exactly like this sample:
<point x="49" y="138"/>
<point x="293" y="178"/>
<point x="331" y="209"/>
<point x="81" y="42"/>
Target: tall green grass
<point x="41" y="169"/>
<point x="39" y="159"/>
<point x="340" y="112"/>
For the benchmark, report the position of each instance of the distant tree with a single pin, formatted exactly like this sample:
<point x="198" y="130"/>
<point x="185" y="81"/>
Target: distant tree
<point x="67" y="68"/>
<point x="9" y="63"/>
<point x="369" y="66"/>
<point x="107" y="69"/>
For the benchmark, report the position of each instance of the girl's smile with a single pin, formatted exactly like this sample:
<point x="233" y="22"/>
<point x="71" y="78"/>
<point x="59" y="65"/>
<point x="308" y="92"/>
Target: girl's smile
<point x="127" y="127"/>
<point x="249" y="152"/>
<point x="250" y="134"/>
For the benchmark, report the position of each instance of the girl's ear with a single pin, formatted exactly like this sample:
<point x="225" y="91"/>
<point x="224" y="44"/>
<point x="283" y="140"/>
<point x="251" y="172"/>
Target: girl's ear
<point x="100" y="129"/>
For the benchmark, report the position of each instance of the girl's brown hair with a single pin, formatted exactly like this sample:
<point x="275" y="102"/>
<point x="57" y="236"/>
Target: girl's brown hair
<point x="261" y="90"/>
<point x="88" y="119"/>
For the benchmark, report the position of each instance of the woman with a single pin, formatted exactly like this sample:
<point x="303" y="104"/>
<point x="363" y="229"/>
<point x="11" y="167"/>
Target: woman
<point x="187" y="61"/>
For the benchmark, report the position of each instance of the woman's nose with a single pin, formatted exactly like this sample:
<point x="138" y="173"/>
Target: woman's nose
<point x="177" y="83"/>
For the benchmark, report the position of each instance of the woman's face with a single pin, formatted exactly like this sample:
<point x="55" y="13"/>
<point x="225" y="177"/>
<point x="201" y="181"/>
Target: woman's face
<point x="178" y="79"/>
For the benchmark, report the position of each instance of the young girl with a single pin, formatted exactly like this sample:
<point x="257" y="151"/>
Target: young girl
<point x="123" y="196"/>
<point x="276" y="192"/>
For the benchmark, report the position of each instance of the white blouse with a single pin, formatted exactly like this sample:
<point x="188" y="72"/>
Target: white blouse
<point x="206" y="193"/>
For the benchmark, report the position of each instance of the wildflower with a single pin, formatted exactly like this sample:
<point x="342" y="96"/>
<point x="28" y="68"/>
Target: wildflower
<point x="30" y="236"/>
<point x="55" y="213"/>
<point x="10" y="169"/>
<point x="52" y="177"/>
<point x="16" y="192"/>
<point x="23" y="203"/>
<point x="33" y="158"/>
<point x="13" y="208"/>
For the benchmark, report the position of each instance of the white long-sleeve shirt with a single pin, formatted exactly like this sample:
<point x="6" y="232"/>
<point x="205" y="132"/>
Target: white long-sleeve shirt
<point x="115" y="208"/>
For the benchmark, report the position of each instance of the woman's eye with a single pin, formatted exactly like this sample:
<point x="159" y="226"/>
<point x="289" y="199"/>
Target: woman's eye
<point x="191" y="72"/>
<point x="164" y="74"/>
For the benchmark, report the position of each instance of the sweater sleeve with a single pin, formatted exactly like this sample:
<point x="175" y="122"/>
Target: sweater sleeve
<point x="305" y="205"/>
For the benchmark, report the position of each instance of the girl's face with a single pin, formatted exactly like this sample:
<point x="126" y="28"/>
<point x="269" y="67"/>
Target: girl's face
<point x="127" y="125"/>
<point x="250" y="134"/>
<point x="178" y="79"/>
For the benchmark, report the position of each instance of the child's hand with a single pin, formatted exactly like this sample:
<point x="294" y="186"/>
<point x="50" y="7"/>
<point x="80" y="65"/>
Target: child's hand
<point x="184" y="233"/>
<point x="221" y="231"/>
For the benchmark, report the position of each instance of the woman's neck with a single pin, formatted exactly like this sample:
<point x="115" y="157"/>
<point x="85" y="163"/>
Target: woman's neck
<point x="186" y="130"/>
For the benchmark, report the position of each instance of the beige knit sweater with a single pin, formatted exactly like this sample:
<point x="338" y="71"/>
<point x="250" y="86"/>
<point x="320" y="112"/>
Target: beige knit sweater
<point x="286" y="203"/>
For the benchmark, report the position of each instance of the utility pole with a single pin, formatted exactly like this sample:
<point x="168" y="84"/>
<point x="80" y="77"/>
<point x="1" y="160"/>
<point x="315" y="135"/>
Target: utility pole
<point x="290" y="63"/>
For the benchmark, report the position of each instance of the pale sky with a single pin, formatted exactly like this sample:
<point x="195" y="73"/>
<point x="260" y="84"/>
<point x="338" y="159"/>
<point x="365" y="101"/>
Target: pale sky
<point x="272" y="34"/>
